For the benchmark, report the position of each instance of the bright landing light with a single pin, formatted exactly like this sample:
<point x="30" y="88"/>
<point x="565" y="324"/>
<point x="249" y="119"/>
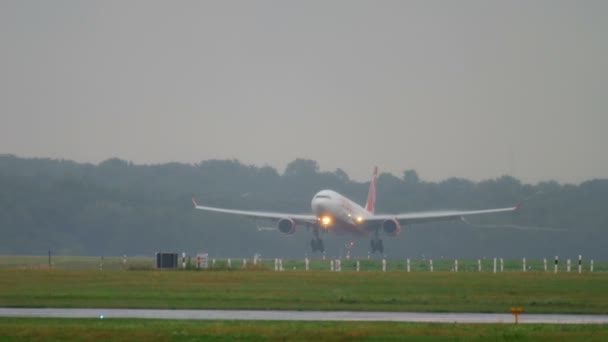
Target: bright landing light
<point x="359" y="219"/>
<point x="325" y="220"/>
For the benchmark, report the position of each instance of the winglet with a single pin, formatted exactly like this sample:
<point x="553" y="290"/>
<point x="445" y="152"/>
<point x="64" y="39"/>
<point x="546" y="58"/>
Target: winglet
<point x="527" y="198"/>
<point x="194" y="202"/>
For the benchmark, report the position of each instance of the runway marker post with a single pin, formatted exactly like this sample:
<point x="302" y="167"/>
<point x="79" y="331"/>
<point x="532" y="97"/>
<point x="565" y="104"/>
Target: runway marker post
<point x="580" y="263"/>
<point x="358" y="265"/>
<point x="331" y="265"/>
<point x="545" y="264"/>
<point x="407" y="262"/>
<point x="479" y="265"/>
<point x="494" y="267"/>
<point x="568" y="265"/>
<point x="516" y="312"/>
<point x="502" y="265"/>
<point x="455" y="265"/>
<point x="591" y="266"/>
<point x="431" y="264"/>
<point x="556" y="262"/>
<point x="307" y="264"/>
<point x="383" y="265"/>
<point x="523" y="264"/>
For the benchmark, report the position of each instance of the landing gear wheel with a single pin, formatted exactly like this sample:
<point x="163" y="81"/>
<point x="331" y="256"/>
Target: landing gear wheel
<point x="377" y="246"/>
<point x="313" y="245"/>
<point x="317" y="245"/>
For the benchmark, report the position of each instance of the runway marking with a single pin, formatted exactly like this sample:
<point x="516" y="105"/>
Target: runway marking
<point x="273" y="315"/>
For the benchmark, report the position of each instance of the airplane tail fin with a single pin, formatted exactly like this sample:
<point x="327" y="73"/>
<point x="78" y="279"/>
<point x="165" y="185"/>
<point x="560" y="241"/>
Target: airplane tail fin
<point x="370" y="205"/>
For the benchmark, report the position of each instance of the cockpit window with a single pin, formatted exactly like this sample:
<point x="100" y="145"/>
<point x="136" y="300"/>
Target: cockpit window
<point x="323" y="196"/>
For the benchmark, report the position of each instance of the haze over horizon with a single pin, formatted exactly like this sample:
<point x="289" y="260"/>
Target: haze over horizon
<point x="470" y="89"/>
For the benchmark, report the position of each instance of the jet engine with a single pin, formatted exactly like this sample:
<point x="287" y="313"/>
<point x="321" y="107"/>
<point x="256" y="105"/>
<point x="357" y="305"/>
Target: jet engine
<point x="391" y="227"/>
<point x="287" y="226"/>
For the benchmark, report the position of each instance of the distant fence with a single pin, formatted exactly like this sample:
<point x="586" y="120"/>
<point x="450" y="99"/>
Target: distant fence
<point x="416" y="265"/>
<point x="76" y="262"/>
<point x="486" y="265"/>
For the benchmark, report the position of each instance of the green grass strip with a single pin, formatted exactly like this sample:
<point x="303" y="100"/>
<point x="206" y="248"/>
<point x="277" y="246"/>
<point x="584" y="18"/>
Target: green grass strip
<point x="38" y="329"/>
<point x="300" y="290"/>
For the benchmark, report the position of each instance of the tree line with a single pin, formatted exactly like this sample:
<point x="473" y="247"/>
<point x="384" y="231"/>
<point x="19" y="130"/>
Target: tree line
<point x="117" y="207"/>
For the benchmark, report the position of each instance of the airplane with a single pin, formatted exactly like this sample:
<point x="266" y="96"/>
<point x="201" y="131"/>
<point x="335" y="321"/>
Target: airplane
<point x="333" y="212"/>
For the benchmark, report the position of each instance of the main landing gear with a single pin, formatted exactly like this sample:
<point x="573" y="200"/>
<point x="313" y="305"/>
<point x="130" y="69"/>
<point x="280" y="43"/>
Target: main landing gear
<point x="376" y="244"/>
<point x="316" y="243"/>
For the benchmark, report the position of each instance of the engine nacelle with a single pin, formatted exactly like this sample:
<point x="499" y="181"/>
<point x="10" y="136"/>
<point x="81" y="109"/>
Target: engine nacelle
<point x="287" y="226"/>
<point x="391" y="227"/>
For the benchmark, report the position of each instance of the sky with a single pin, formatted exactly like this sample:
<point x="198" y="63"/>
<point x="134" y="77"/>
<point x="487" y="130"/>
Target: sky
<point x="471" y="89"/>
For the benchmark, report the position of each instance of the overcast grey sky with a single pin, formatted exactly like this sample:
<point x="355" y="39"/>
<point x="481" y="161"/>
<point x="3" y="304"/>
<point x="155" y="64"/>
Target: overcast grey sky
<point x="473" y="89"/>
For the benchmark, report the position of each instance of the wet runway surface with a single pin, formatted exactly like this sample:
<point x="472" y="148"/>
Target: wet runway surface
<point x="271" y="315"/>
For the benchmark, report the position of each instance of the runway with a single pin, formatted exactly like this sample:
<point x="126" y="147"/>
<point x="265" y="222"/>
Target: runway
<point x="272" y="315"/>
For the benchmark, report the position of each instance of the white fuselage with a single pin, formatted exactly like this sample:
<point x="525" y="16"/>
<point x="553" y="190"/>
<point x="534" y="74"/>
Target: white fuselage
<point x="344" y="213"/>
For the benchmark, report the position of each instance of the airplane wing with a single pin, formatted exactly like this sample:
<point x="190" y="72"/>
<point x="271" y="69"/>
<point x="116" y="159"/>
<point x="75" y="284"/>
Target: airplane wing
<point x="298" y="218"/>
<point x="430" y="216"/>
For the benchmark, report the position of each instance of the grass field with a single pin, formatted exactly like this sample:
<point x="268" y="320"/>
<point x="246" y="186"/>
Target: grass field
<point x="112" y="282"/>
<point x="536" y="292"/>
<point x="35" y="329"/>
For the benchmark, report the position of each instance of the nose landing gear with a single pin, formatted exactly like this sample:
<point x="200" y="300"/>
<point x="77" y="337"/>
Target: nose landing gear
<point x="316" y="244"/>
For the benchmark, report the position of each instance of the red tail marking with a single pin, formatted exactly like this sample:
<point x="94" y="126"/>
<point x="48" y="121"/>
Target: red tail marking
<point x="371" y="195"/>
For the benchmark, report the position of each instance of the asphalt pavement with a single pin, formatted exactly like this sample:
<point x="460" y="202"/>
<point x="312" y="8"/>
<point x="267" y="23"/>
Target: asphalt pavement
<point x="274" y="315"/>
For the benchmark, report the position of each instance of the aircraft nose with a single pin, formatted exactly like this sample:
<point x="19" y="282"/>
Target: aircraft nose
<point x="317" y="205"/>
